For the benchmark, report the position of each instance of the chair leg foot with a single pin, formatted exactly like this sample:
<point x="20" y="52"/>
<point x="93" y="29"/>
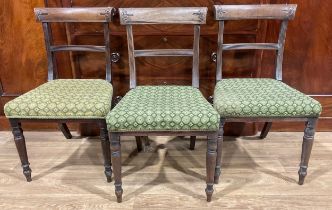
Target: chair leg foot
<point x="308" y="140"/>
<point x="109" y="179"/>
<point x="217" y="174"/>
<point x="108" y="173"/>
<point x="118" y="193"/>
<point x="27" y="172"/>
<point x="301" y="180"/>
<point x="302" y="174"/>
<point x="209" y="191"/>
<point x="192" y="142"/>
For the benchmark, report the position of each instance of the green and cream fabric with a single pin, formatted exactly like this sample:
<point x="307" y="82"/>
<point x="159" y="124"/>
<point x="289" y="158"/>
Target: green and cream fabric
<point x="262" y="98"/>
<point x="63" y="99"/>
<point x="163" y="108"/>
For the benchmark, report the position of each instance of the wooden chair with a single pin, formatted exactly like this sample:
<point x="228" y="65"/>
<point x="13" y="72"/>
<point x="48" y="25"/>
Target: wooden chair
<point x="163" y="110"/>
<point x="66" y="100"/>
<point x="258" y="99"/>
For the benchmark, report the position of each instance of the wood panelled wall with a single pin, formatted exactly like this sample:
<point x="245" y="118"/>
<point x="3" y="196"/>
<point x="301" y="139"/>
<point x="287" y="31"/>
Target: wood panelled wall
<point x="307" y="64"/>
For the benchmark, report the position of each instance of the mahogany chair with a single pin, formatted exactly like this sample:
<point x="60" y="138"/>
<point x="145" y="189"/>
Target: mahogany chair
<point x="259" y="99"/>
<point x="163" y="110"/>
<point x="66" y="100"/>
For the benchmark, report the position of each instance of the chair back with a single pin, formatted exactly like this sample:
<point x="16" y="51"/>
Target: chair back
<point x="167" y="15"/>
<point x="69" y="15"/>
<point x="283" y="12"/>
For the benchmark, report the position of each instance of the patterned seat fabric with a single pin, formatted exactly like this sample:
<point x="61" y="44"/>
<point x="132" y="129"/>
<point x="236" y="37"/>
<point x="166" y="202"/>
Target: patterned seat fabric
<point x="163" y="108"/>
<point x="64" y="99"/>
<point x="262" y="98"/>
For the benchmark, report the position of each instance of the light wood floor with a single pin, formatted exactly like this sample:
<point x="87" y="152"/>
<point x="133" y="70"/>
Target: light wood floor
<point x="257" y="174"/>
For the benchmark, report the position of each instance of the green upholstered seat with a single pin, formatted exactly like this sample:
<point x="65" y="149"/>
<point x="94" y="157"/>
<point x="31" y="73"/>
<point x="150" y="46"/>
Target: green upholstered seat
<point x="163" y="108"/>
<point x="63" y="99"/>
<point x="262" y="98"/>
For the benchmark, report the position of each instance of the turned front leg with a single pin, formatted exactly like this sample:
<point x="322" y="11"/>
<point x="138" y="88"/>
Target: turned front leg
<point x="211" y="156"/>
<point x="217" y="172"/>
<point x="105" y="145"/>
<point x="308" y="140"/>
<point x="116" y="160"/>
<point x="21" y="147"/>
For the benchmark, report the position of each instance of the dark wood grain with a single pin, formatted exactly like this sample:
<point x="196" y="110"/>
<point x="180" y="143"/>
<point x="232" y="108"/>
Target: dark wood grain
<point x="22" y="53"/>
<point x="306" y="58"/>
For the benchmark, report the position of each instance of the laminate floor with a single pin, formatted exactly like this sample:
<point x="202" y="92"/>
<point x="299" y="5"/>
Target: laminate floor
<point x="257" y="174"/>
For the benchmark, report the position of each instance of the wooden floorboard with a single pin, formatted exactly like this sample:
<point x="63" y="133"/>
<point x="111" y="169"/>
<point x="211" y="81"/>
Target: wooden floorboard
<point x="257" y="174"/>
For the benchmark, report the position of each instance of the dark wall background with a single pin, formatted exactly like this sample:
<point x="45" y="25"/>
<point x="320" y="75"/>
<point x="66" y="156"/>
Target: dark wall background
<point x="307" y="63"/>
